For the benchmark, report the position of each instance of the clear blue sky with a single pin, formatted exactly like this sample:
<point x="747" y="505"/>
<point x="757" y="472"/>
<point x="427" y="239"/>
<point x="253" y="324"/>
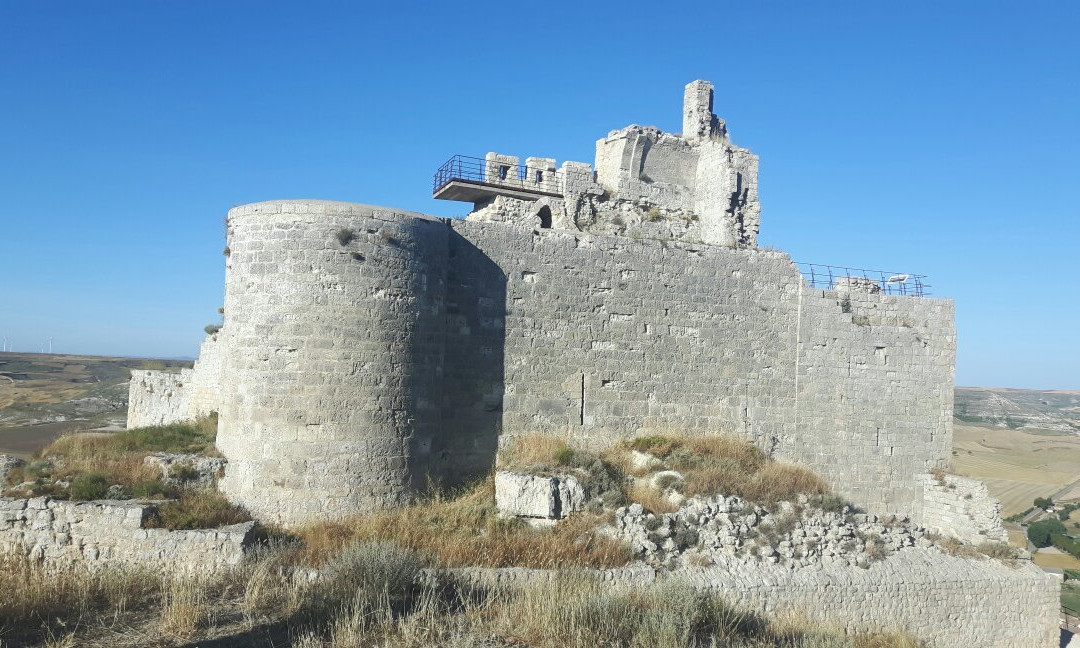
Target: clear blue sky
<point x="933" y="137"/>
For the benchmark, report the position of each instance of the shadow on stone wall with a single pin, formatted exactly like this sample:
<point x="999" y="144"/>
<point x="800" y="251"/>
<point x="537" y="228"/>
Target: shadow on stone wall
<point x="465" y="442"/>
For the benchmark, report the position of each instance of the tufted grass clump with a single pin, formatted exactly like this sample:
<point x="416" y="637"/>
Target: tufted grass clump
<point x="715" y="464"/>
<point x="197" y="509"/>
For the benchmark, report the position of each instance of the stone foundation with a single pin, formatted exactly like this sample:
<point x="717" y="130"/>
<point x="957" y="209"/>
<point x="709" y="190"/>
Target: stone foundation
<point x="102" y="534"/>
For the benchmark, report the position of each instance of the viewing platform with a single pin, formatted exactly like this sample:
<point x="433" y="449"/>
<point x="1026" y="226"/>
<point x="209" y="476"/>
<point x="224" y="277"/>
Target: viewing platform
<point x="473" y="179"/>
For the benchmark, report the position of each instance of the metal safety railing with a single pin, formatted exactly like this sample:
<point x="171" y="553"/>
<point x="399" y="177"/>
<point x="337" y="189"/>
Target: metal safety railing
<point x="497" y="174"/>
<point x="827" y="277"/>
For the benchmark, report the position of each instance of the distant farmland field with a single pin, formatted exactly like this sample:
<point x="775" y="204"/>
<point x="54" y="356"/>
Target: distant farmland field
<point x="1016" y="465"/>
<point x="43" y="396"/>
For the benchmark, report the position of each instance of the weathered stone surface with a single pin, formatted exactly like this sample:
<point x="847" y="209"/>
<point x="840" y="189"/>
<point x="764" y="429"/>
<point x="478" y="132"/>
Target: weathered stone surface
<point x="188" y="470"/>
<point x="7" y="463"/>
<point x="848" y="284"/>
<point x="163" y="398"/>
<point x="797" y="535"/>
<point x="106" y="533"/>
<point x="159" y="397"/>
<point x="960" y="507"/>
<point x="550" y="497"/>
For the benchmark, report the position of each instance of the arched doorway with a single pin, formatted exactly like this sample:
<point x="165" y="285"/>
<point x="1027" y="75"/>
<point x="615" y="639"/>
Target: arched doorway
<point x="545" y="217"/>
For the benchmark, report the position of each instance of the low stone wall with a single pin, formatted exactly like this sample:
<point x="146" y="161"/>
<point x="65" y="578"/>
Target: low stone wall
<point x="962" y="508"/>
<point x="111" y="533"/>
<point x="159" y="398"/>
<point x="940" y="599"/>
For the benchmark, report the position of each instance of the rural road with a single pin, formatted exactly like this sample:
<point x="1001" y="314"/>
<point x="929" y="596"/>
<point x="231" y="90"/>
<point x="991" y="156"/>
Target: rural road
<point x="1059" y="493"/>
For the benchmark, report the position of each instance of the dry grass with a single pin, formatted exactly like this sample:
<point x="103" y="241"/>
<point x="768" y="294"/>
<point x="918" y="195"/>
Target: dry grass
<point x="995" y="550"/>
<point x="777" y="482"/>
<point x="371" y="594"/>
<point x="95" y="459"/>
<point x="92" y="463"/>
<point x="36" y="600"/>
<point x="184" y="607"/>
<point x="650" y="498"/>
<point x="467" y="530"/>
<point x="535" y="451"/>
<point x="574" y="611"/>
<point x="198" y="509"/>
<point x="716" y="464"/>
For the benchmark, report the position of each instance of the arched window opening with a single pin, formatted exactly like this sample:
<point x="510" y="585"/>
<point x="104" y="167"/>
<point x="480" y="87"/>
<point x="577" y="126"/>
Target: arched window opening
<point x="545" y="217"/>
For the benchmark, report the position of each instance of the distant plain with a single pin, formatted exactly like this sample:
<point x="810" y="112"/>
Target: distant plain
<point x="43" y="396"/>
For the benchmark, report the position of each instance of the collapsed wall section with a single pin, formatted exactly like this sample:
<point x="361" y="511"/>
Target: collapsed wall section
<point x="960" y="507"/>
<point x="334" y="313"/>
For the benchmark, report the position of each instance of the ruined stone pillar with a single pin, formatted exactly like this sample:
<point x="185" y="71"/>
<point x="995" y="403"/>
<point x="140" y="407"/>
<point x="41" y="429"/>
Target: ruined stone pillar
<point x="699" y="122"/>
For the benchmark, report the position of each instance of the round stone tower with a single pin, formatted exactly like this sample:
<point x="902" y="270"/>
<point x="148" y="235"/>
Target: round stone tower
<point x="333" y="313"/>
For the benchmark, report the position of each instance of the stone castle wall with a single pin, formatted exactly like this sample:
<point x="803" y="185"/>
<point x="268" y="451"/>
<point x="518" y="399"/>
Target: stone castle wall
<point x="368" y="349"/>
<point x="205" y="379"/>
<point x="609" y="337"/>
<point x="159" y="397"/>
<point x="960" y="507"/>
<point x="334" y="320"/>
<point x="102" y="534"/>
<point x="165" y="397"/>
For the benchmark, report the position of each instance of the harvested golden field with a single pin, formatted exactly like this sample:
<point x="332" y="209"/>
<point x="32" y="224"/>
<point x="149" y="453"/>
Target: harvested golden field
<point x="1052" y="558"/>
<point x="1017" y="466"/>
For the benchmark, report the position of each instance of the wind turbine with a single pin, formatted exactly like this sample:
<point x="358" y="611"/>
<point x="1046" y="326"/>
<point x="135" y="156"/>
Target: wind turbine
<point x="50" y="344"/>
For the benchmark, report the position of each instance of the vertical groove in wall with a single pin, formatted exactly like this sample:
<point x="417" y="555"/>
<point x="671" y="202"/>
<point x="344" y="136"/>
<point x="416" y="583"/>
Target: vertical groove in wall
<point x="582" y="413"/>
<point x="798" y="349"/>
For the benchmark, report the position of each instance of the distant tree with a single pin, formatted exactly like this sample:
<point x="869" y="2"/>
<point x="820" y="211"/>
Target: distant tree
<point x="1040" y="532"/>
<point x="1044" y="502"/>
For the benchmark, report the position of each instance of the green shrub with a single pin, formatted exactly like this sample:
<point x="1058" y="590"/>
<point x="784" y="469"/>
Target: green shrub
<point x="1040" y="532"/>
<point x="1043" y="502"/>
<point x="1066" y="544"/>
<point x="344" y="236"/>
<point x="89" y="486"/>
<point x="212" y="328"/>
<point x="363" y="577"/>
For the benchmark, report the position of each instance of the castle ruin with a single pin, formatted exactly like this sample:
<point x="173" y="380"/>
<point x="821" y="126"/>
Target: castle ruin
<point x="366" y="350"/>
